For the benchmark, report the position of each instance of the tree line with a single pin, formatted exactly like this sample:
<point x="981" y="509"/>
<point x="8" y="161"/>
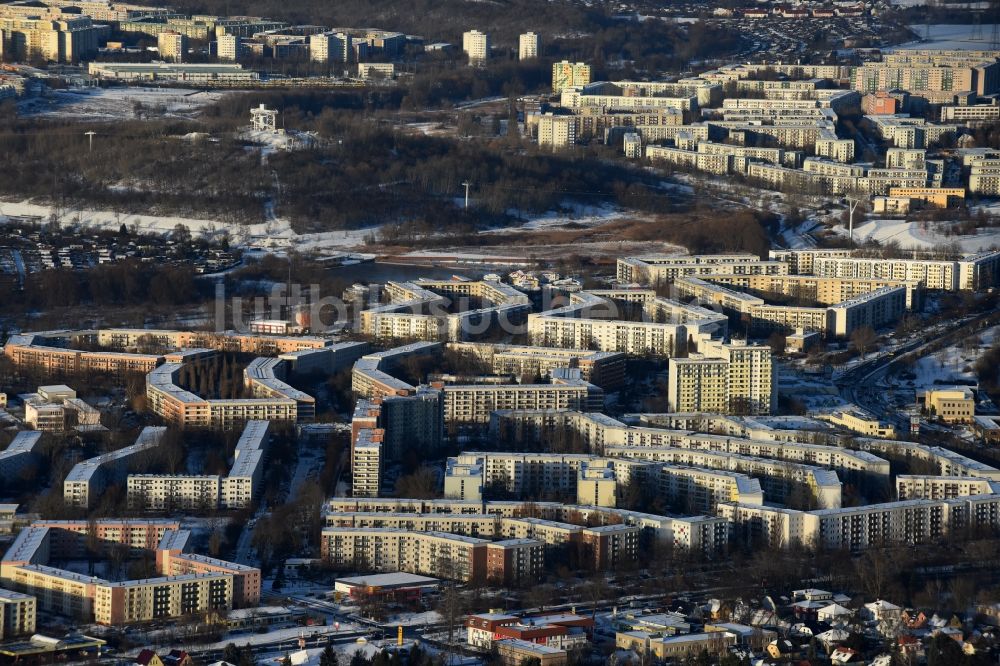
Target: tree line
<point x="134" y="167"/>
<point x="130" y="282"/>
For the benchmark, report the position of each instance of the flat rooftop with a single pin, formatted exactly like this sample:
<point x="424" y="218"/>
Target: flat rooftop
<point x="397" y="579"/>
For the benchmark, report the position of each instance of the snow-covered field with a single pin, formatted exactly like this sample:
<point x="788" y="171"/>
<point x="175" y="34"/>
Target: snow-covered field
<point x="921" y="235"/>
<point x="947" y="36"/>
<point x="275" y="236"/>
<point x="815" y="392"/>
<point x="571" y="213"/>
<point x="952" y="364"/>
<point x="108" y="104"/>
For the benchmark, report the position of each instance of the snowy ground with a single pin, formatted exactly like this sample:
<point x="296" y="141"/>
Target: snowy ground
<point x="947" y="36"/>
<point x="569" y="213"/>
<point x="950" y="365"/>
<point x="273" y="236"/>
<point x="276" y="235"/>
<point x="921" y="235"/>
<point x="816" y="392"/>
<point x="279" y="140"/>
<point x="109" y="104"/>
<point x="415" y="619"/>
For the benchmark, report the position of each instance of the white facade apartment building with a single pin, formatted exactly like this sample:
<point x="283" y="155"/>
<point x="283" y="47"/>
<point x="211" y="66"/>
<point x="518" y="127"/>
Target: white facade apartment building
<point x="517" y="473"/>
<point x="476" y="45"/>
<point x="774" y="177"/>
<point x="833" y="177"/>
<point x="698" y="384"/>
<point x="878" y="182"/>
<point x="701" y="490"/>
<point x="156" y="492"/>
<point x="777" y="527"/>
<point x="229" y="47"/>
<point x="438" y="554"/>
<point x="751" y="374"/>
<point x="172" y="46"/>
<point x="169" y="596"/>
<point x="19" y="454"/>
<point x="777" y="477"/>
<point x="482" y="525"/>
<point x="242" y="485"/>
<point x="635" y="338"/>
<point x="692" y="430"/>
<point x="88" y="479"/>
<point x="464" y="480"/>
<point x="975" y="113"/>
<point x="330" y="47"/>
<point x="824" y="167"/>
<point x="528" y="46"/>
<point x="738" y="376"/>
<point x="574" y="98"/>
<point x="632" y="145"/>
<point x="655" y="269"/>
<point x="860" y="421"/>
<point x="906" y="158"/>
<point x="600" y="368"/>
<point x="556" y="131"/>
<point x="366" y="463"/>
<point x="857" y="528"/>
<point x="530" y="473"/>
<point x="383" y="70"/>
<point x="933" y="274"/>
<point x="948" y="462"/>
<point x="473" y="403"/>
<point x="566" y="75"/>
<point x="585" y="324"/>
<point x="717" y="163"/>
<point x="984" y="177"/>
<point x="237" y="490"/>
<point x="707" y="534"/>
<point x="922" y="486"/>
<point x="979" y="271"/>
<point x="828" y="144"/>
<point x="18" y="614"/>
<point x="769" y="155"/>
<point x="875" y="309"/>
<point x="801" y="262"/>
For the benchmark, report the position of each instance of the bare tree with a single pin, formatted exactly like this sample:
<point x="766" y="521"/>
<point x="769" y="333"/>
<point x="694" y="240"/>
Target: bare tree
<point x="863" y="339"/>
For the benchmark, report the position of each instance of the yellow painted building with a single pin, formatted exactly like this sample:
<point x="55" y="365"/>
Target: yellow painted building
<point x="937" y="197"/>
<point x="953" y="404"/>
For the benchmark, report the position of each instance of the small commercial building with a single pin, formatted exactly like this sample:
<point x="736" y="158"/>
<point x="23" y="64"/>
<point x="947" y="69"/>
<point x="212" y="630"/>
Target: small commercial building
<point x="397" y="586"/>
<point x="951" y="404"/>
